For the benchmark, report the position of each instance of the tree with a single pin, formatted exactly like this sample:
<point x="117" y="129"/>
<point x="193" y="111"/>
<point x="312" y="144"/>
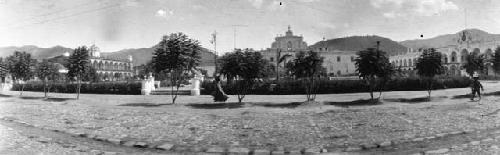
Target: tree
<point x="474" y="62"/>
<point x="46" y="71"/>
<point x="78" y="64"/>
<point x="307" y="67"/>
<point x="429" y="65"/>
<point x="20" y="67"/>
<point x="374" y="67"/>
<point x="177" y="55"/>
<point x="245" y="65"/>
<point x="496" y="60"/>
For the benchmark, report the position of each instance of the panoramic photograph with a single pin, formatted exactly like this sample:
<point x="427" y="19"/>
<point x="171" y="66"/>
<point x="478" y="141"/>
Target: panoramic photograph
<point x="249" y="77"/>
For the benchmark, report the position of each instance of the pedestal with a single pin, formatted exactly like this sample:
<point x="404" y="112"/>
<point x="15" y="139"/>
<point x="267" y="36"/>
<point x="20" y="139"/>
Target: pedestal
<point x="195" y="92"/>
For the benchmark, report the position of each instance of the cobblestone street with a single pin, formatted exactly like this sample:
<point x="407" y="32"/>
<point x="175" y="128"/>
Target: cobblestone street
<point x="391" y="128"/>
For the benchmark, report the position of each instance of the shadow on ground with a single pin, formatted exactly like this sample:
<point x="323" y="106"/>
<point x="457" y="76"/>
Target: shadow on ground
<point x="54" y="99"/>
<point x="142" y="104"/>
<point x="359" y="102"/>
<point x="3" y="95"/>
<point x="31" y="97"/>
<point x="497" y="93"/>
<point x="279" y="105"/>
<point x="415" y="100"/>
<point x="217" y="105"/>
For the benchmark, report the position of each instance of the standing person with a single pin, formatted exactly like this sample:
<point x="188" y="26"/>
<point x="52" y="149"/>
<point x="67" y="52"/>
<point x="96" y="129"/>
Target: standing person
<point x="475" y="85"/>
<point x="219" y="94"/>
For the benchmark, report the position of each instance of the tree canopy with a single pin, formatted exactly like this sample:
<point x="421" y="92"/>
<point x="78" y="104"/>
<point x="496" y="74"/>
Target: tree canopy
<point x="176" y="54"/>
<point x="307" y="67"/>
<point x="247" y="65"/>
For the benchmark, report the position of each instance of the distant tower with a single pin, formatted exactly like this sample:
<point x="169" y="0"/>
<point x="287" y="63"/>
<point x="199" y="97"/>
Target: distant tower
<point x="66" y="54"/>
<point x="289" y="32"/>
<point x="94" y="51"/>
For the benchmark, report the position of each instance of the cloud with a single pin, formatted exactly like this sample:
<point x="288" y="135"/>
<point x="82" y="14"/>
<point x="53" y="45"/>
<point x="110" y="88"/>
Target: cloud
<point x="399" y="8"/>
<point x="164" y="13"/>
<point x="256" y="3"/>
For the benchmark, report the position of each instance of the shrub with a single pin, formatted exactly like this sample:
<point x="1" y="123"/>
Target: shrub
<point x="293" y="87"/>
<point x="123" y="88"/>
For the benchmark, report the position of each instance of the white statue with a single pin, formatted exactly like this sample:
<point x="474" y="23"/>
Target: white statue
<point x="195" y="82"/>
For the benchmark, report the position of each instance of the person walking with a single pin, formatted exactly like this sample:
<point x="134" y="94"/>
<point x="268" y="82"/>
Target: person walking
<point x="475" y="86"/>
<point x="219" y="94"/>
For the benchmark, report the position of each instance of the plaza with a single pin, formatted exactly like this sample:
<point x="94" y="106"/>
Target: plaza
<point x="266" y="123"/>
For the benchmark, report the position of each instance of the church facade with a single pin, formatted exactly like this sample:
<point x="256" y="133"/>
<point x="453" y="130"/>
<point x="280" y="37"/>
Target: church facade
<point x="335" y="62"/>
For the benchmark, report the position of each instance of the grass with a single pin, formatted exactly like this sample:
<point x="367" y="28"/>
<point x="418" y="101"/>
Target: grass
<point x="360" y="102"/>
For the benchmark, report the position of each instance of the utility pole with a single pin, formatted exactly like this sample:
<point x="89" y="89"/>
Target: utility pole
<point x="214" y="41"/>
<point x="234" y="30"/>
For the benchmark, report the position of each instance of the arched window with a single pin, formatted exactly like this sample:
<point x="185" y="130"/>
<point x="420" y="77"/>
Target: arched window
<point x="410" y="63"/>
<point x="454" y="56"/>
<point x="338" y="58"/>
<point x="404" y="63"/>
<point x="289" y="46"/>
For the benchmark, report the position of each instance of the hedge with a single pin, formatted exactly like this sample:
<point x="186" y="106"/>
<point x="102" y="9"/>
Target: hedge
<point x="123" y="88"/>
<point x="292" y="87"/>
<point x="284" y="87"/>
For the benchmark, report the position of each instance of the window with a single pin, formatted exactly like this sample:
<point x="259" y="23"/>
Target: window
<point x="272" y="59"/>
<point x="338" y="58"/>
<point x="289" y="45"/>
<point x="352" y="59"/>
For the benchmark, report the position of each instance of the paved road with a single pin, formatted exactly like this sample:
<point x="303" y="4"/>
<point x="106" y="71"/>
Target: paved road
<point x="20" y="139"/>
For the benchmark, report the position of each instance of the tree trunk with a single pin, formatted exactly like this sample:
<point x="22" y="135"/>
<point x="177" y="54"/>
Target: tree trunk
<point x="430" y="89"/>
<point x="22" y="89"/>
<point x="45" y="87"/>
<point x="78" y="87"/>
<point x="173" y="82"/>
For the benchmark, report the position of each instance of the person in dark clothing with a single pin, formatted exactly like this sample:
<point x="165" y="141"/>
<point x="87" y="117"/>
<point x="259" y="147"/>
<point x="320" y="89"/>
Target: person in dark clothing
<point x="219" y="94"/>
<point x="475" y="86"/>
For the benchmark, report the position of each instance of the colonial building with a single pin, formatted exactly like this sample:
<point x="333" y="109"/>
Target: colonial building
<point x="107" y="68"/>
<point x="110" y="68"/>
<point x="336" y="62"/>
<point x="454" y="55"/>
<point x="287" y="44"/>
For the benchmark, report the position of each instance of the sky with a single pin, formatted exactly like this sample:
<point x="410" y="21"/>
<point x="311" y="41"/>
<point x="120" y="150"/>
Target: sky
<point x="120" y="24"/>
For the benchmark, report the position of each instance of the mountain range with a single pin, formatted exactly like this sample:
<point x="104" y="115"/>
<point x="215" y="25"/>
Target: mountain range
<point x="476" y="35"/>
<point x="354" y="43"/>
<point x="358" y="43"/>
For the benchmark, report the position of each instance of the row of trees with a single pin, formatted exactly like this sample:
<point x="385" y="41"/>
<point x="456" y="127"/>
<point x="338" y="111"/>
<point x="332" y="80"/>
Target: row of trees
<point x="22" y="67"/>
<point x="176" y="55"/>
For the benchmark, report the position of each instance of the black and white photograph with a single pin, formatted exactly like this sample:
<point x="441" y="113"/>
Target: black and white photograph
<point x="249" y="77"/>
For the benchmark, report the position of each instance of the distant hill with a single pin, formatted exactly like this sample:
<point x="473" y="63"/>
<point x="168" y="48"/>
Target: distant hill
<point x="358" y="43"/>
<point x="144" y="55"/>
<point x="476" y="35"/>
<point x="139" y="55"/>
<point x="36" y="52"/>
